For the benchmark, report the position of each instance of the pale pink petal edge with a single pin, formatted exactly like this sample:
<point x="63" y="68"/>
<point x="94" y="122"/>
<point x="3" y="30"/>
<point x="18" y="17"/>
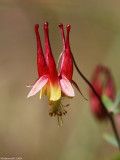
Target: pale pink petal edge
<point x="40" y="83"/>
<point x="66" y="87"/>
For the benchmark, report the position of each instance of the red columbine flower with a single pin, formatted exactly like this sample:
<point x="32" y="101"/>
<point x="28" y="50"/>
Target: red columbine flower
<point x="48" y="78"/>
<point x="50" y="82"/>
<point x="103" y="84"/>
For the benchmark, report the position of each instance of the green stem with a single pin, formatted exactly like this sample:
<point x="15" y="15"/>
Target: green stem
<point x="110" y="117"/>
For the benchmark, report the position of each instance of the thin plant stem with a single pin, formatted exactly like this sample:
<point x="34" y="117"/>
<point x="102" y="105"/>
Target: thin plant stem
<point x="110" y="117"/>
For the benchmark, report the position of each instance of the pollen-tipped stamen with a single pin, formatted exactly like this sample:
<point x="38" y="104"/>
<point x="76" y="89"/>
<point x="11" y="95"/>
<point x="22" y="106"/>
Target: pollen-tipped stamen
<point x="58" y="110"/>
<point x="60" y="121"/>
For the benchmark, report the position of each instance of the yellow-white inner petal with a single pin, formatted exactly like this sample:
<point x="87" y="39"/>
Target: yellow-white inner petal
<point x="53" y="91"/>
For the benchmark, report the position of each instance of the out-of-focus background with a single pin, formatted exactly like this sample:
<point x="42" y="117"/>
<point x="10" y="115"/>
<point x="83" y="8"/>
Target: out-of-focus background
<point x="26" y="129"/>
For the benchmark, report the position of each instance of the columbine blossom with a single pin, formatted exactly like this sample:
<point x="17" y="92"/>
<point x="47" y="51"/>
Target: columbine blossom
<point x="48" y="78"/>
<point x="55" y="85"/>
<point x="103" y="83"/>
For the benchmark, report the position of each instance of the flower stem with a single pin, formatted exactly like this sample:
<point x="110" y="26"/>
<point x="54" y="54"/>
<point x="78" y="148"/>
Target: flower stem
<point x="110" y="117"/>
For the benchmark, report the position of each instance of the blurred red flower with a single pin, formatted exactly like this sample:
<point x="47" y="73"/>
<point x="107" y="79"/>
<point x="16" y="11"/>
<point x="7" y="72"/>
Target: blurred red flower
<point x="103" y="83"/>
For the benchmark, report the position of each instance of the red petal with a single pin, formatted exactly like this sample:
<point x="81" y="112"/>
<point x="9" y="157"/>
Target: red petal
<point x="63" y="36"/>
<point x="41" y="64"/>
<point x="98" y="111"/>
<point x="66" y="68"/>
<point x="49" y="57"/>
<point x="67" y="44"/>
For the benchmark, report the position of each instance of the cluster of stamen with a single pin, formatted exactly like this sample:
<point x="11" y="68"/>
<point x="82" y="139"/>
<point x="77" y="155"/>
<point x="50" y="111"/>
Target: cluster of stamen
<point x="58" y="110"/>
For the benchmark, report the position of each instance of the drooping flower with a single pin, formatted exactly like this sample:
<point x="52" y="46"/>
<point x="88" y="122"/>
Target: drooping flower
<point x="65" y="77"/>
<point x="54" y="85"/>
<point x="103" y="83"/>
<point x="48" y="78"/>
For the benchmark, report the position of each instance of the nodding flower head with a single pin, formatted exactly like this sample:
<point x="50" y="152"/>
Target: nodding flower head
<point x="103" y="83"/>
<point x="51" y="83"/>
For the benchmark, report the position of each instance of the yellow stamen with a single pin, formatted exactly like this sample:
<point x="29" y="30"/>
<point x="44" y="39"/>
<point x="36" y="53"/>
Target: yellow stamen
<point x="58" y="110"/>
<point x="50" y="103"/>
